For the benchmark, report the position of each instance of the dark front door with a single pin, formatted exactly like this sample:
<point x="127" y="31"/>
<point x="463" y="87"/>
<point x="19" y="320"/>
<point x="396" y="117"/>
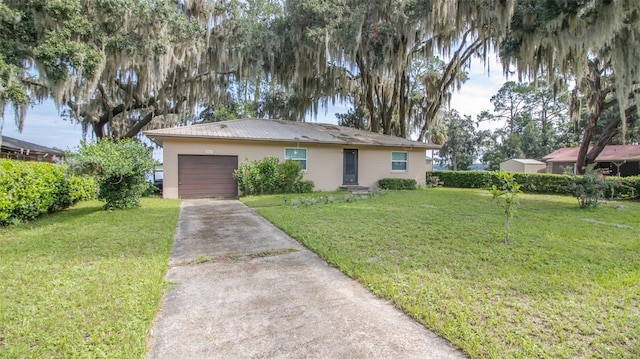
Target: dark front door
<point x="350" y="167"/>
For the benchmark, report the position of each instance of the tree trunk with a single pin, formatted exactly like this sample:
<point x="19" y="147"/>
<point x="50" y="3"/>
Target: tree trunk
<point x="594" y="116"/>
<point x="402" y="116"/>
<point x="543" y="125"/>
<point x="1" y="126"/>
<point x="367" y="82"/>
<point x="589" y="131"/>
<point x="610" y="130"/>
<point x="98" y="129"/>
<point x="389" y="107"/>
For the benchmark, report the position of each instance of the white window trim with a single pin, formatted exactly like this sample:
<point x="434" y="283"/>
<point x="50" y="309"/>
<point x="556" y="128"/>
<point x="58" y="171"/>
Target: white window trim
<point x="406" y="162"/>
<point x="306" y="156"/>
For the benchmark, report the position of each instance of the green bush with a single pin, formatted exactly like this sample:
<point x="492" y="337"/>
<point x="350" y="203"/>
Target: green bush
<point x="543" y="182"/>
<point x="30" y="189"/>
<point x="617" y="187"/>
<point x="466" y="179"/>
<point x="590" y="188"/>
<point x="82" y="188"/>
<point x="291" y="177"/>
<point x="268" y="176"/>
<point x="622" y="187"/>
<point x="303" y="186"/>
<point x="397" y="183"/>
<point x="120" y="168"/>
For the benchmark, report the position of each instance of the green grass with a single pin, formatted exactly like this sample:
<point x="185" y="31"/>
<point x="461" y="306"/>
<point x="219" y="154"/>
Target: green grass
<point x="565" y="287"/>
<point x="84" y="282"/>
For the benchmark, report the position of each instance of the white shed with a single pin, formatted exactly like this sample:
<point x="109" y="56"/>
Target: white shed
<point x="523" y="165"/>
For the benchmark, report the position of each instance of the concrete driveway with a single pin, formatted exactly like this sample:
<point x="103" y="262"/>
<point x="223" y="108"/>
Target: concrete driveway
<point x="244" y="289"/>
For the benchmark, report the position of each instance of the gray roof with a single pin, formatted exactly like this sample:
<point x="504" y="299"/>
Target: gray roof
<point x="254" y="129"/>
<point x="14" y="144"/>
<point x="526" y="161"/>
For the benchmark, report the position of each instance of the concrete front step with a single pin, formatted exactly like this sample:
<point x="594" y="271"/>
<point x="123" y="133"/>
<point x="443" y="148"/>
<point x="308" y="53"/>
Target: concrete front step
<point x="354" y="189"/>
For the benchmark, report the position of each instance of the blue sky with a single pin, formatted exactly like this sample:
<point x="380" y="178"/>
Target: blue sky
<point x="44" y="125"/>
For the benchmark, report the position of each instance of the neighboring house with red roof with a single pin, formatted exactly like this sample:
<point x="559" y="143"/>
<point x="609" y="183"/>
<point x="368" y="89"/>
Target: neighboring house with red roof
<point x="623" y="160"/>
<point x="199" y="160"/>
<point x="15" y="149"/>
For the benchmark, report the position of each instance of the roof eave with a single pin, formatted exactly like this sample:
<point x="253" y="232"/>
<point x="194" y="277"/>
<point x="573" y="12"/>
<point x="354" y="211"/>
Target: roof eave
<point x="158" y="139"/>
<point x="34" y="151"/>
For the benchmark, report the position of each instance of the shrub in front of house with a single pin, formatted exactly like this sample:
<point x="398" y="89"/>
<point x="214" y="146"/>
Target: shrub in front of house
<point x="269" y="176"/>
<point x="303" y="186"/>
<point x="120" y="168"/>
<point x="397" y="183"/>
<point x="30" y="189"/>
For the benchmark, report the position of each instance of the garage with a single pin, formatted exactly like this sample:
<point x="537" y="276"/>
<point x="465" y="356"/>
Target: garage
<point x="207" y="176"/>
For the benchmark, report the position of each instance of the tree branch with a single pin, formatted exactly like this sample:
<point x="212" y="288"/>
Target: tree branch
<point x="133" y="131"/>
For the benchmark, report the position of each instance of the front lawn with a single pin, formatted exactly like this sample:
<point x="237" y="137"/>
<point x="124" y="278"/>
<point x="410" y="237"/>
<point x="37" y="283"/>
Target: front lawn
<point x="568" y="285"/>
<point x="84" y="283"/>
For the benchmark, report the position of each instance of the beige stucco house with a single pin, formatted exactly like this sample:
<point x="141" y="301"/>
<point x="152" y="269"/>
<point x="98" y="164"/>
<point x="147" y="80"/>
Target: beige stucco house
<point x="199" y="160"/>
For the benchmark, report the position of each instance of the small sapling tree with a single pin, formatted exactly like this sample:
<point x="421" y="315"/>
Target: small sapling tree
<point x="120" y="167"/>
<point x="505" y="194"/>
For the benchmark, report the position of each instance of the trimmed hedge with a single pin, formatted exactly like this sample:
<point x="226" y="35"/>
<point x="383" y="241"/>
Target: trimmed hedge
<point x="544" y="183"/>
<point x="82" y="188"/>
<point x="623" y="187"/>
<point x="618" y="187"/>
<point x="465" y="179"/>
<point x="30" y="189"/>
<point x="397" y="183"/>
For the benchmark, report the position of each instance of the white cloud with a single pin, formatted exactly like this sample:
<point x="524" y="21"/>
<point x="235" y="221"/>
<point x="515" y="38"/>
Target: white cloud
<point x="475" y="94"/>
<point x="44" y="126"/>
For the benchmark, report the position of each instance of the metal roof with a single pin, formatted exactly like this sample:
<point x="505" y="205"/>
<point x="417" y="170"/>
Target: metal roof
<point x="254" y="129"/>
<point x="526" y="161"/>
<point x="611" y="153"/>
<point x="14" y="144"/>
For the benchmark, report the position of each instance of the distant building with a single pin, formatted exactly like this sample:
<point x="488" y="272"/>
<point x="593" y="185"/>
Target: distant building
<point x="524" y="165"/>
<point x="620" y="160"/>
<point x="15" y="149"/>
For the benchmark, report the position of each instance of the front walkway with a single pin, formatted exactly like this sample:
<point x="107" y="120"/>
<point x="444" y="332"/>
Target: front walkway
<point x="241" y="288"/>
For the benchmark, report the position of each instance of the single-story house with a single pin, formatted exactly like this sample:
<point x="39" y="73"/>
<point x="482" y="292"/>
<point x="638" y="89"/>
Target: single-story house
<point x="199" y="160"/>
<point x="524" y="165"/>
<point x="621" y="160"/>
<point x="15" y="149"/>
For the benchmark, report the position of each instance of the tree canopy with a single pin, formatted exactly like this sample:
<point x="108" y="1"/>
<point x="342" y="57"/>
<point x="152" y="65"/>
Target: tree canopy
<point x="119" y="66"/>
<point x="596" y="43"/>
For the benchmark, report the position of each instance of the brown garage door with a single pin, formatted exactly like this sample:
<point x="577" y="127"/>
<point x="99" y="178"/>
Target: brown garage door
<point x="206" y="176"/>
